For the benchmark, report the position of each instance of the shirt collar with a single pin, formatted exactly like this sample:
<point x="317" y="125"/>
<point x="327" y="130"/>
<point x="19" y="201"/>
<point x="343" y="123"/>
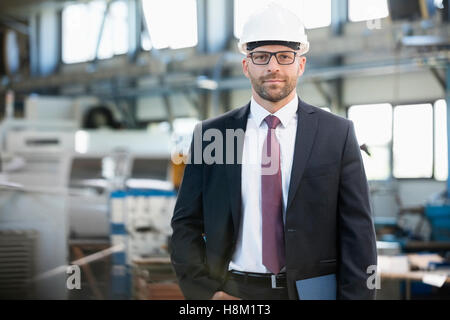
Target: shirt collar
<point x="285" y="113"/>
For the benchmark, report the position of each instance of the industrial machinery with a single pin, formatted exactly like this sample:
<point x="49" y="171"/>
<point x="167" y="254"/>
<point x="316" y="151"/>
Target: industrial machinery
<point x="56" y="183"/>
<point x="33" y="209"/>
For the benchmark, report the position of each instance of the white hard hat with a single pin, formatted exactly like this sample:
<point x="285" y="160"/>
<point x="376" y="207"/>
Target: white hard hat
<point x="274" y="23"/>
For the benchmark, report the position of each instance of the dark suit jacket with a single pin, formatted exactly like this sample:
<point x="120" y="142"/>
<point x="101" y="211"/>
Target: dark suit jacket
<point x="328" y="226"/>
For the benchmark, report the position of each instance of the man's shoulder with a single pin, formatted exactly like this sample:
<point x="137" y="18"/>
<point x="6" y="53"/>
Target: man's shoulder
<point x="221" y="120"/>
<point x="327" y="116"/>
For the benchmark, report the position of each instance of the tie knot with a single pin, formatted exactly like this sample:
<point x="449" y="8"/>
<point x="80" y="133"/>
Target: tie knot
<point x="272" y="121"/>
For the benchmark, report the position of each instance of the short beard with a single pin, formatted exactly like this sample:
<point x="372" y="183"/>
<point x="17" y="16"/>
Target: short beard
<point x="263" y="93"/>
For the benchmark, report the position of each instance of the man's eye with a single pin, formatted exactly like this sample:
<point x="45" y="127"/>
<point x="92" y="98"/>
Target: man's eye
<point x="260" y="57"/>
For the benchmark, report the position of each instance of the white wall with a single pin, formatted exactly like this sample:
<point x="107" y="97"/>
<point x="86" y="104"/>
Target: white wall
<point x="397" y="88"/>
<point x="153" y="107"/>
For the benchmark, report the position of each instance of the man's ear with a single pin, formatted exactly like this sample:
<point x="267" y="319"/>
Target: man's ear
<point x="245" y="67"/>
<point x="301" y="65"/>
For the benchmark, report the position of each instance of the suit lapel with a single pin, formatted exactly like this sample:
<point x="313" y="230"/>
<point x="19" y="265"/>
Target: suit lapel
<point x="304" y="140"/>
<point x="238" y="121"/>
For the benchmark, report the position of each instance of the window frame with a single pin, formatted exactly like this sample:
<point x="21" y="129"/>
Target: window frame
<point x="391" y="143"/>
<point x="147" y="30"/>
<point x="94" y="58"/>
<point x="306" y="28"/>
<point x="365" y="20"/>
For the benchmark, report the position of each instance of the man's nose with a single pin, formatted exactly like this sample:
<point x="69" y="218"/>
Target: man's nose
<point x="273" y="64"/>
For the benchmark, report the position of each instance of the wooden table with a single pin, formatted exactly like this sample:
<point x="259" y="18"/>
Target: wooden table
<point x="154" y="279"/>
<point x="408" y="277"/>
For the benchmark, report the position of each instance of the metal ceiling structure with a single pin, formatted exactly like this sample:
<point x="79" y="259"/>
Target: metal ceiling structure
<point x="213" y="66"/>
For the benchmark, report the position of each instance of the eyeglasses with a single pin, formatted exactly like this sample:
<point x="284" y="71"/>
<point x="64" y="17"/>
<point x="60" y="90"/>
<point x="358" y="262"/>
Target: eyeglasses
<point x="263" y="57"/>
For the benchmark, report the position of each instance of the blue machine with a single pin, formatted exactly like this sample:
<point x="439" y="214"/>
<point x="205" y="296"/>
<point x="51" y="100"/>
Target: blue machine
<point x="439" y="216"/>
<point x="124" y="233"/>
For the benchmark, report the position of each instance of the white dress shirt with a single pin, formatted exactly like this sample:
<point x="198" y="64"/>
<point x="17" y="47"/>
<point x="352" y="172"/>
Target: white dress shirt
<point x="248" y="253"/>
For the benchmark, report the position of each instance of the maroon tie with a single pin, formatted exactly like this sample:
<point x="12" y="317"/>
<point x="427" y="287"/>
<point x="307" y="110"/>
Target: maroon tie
<point x="273" y="252"/>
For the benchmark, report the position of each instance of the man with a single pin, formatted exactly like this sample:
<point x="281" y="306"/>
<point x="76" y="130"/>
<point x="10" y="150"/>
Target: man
<point x="252" y="228"/>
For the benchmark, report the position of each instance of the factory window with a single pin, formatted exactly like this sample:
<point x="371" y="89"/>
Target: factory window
<point x="373" y="127"/>
<point x="178" y="31"/>
<point x="115" y="34"/>
<point x="413" y="141"/>
<point x="81" y="25"/>
<point x="361" y="10"/>
<point x="315" y="13"/>
<point x="440" y="141"/>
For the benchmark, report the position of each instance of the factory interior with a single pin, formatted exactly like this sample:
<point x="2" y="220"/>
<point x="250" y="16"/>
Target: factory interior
<point x="99" y="100"/>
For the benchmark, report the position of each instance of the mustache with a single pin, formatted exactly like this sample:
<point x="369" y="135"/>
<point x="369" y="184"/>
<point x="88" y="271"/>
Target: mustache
<point x="272" y="77"/>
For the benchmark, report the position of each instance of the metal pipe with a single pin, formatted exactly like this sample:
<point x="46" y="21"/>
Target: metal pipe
<point x="447" y="100"/>
<point x="100" y="34"/>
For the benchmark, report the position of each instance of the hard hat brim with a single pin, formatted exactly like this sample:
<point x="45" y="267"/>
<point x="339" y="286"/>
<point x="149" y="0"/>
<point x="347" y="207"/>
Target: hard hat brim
<point x="242" y="46"/>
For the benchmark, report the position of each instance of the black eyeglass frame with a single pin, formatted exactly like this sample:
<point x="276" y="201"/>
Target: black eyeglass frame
<point x="250" y="55"/>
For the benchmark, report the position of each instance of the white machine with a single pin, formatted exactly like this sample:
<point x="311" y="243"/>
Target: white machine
<point x="55" y="182"/>
<point x="33" y="208"/>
